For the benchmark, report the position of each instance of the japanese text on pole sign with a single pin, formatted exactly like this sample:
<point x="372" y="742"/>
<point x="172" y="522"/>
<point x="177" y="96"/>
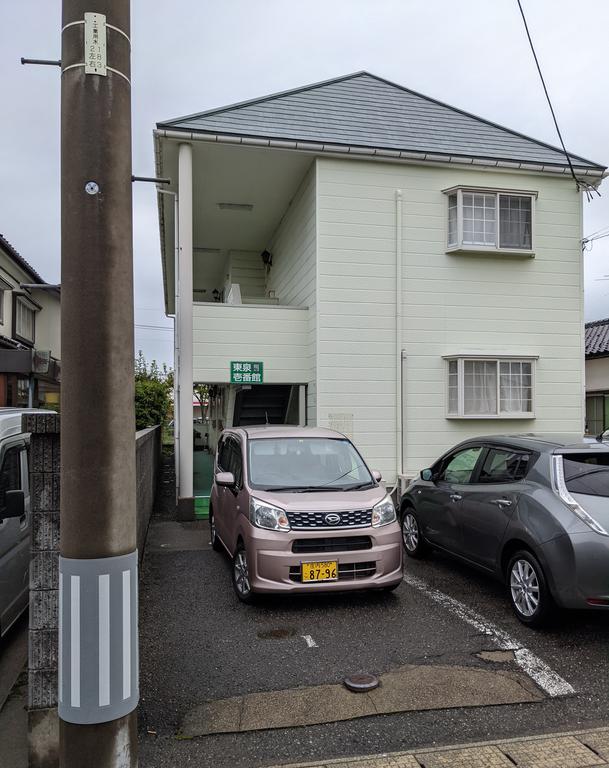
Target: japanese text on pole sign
<point x="95" y="44"/>
<point x="246" y="373"/>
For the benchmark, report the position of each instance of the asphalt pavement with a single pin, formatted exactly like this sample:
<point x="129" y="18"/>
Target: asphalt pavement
<point x="200" y="644"/>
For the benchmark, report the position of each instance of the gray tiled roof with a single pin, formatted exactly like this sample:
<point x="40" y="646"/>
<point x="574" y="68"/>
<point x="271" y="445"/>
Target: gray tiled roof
<point x="11" y="251"/>
<point x="597" y="338"/>
<point x="368" y="111"/>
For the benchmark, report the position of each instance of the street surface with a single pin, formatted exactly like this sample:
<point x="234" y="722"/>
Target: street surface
<point x="199" y="644"/>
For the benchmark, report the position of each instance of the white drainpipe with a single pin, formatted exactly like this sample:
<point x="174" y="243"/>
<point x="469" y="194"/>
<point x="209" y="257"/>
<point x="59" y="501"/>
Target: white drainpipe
<point x="398" y="336"/>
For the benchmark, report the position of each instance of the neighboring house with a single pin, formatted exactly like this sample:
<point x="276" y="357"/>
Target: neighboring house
<point x="397" y="269"/>
<point x="597" y="377"/>
<point x="29" y="334"/>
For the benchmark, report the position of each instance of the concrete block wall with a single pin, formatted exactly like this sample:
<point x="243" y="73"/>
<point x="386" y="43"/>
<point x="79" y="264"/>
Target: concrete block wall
<point x="44" y="459"/>
<point x="147" y="462"/>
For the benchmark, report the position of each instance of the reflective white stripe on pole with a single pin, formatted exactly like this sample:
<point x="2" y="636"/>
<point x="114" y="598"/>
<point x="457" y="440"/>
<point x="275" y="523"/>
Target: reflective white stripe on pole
<point x="98" y="659"/>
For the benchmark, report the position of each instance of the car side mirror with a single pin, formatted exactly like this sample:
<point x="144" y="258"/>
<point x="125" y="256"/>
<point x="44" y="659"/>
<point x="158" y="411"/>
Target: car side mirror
<point x="225" y="479"/>
<point x="426" y="474"/>
<point x="14" y="505"/>
<point x="377" y="475"/>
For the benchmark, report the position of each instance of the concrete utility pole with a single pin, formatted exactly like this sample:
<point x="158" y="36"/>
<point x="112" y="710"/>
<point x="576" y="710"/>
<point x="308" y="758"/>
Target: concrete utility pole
<point x="98" y="669"/>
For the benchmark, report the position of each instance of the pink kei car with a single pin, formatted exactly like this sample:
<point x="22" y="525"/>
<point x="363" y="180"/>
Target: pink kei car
<point x="298" y="510"/>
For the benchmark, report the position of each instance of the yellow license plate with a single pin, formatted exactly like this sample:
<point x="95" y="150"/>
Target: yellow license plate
<point x="327" y="571"/>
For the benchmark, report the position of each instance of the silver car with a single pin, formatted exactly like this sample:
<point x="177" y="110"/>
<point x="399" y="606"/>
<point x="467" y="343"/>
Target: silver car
<point x="531" y="510"/>
<point x="15" y="518"/>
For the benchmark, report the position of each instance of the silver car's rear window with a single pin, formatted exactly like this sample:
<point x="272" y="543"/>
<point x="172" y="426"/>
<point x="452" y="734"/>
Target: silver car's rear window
<point x="587" y="473"/>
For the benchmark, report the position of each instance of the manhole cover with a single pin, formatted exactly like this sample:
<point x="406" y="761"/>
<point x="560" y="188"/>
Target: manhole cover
<point x="361" y="682"/>
<point x="281" y="633"/>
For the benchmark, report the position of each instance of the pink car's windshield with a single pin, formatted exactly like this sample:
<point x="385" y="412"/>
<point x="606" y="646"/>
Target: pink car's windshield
<point x="306" y="464"/>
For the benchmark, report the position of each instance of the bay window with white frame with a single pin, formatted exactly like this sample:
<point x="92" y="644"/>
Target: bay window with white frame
<point x="487" y="220"/>
<point x="490" y="388"/>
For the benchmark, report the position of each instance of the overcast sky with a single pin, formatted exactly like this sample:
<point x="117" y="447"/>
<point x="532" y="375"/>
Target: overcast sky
<point x="192" y="55"/>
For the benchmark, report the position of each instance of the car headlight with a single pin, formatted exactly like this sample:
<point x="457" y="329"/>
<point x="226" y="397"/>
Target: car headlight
<point x="267" y="516"/>
<point x="383" y="513"/>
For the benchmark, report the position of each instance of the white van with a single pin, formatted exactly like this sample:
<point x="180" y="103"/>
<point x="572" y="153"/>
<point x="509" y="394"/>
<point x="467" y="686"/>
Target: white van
<point x="15" y="516"/>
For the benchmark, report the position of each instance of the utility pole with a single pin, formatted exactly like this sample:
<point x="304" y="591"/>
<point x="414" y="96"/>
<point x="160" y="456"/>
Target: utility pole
<point x="98" y="668"/>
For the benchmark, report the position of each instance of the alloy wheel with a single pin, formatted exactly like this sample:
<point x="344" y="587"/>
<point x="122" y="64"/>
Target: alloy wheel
<point x="410" y="532"/>
<point x="242" y="580"/>
<point x="524" y="586"/>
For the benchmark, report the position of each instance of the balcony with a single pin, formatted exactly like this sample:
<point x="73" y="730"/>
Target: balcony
<point x="277" y="336"/>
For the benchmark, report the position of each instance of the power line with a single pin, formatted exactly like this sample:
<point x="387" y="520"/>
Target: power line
<point x="579" y="184"/>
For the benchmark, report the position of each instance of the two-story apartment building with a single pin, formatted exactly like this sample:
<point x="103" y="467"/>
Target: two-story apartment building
<point x="353" y="254"/>
<point x="29" y="333"/>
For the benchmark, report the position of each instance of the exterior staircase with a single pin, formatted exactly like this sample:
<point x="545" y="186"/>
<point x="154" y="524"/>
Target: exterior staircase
<point x="248" y="272"/>
<point x="263" y="404"/>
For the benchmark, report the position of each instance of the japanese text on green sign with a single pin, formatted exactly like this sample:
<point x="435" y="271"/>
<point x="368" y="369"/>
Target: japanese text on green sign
<point x="246" y="373"/>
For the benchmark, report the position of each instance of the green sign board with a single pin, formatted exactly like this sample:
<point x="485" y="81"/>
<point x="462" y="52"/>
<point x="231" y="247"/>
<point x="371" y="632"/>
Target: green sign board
<point x="246" y="373"/>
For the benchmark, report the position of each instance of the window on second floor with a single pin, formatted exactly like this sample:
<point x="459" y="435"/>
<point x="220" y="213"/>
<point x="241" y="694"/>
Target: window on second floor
<point x="487" y="220"/>
<point x="24" y="320"/>
<point x="490" y="388"/>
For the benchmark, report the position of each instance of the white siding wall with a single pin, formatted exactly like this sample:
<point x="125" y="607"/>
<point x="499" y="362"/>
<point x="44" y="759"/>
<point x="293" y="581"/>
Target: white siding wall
<point x="597" y="375"/>
<point x="293" y="273"/>
<point x="451" y="304"/>
<point x="277" y="336"/>
<point x="48" y="322"/>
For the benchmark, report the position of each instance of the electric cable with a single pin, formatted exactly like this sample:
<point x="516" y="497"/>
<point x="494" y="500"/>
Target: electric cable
<point x="587" y="187"/>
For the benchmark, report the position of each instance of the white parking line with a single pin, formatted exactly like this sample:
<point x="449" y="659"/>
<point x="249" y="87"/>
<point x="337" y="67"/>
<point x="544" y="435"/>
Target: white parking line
<point x="309" y="641"/>
<point x="545" y="677"/>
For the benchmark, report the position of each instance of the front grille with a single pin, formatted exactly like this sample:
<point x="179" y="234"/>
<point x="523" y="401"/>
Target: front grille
<point x="346" y="572"/>
<point x="353" y="518"/>
<point x="344" y="544"/>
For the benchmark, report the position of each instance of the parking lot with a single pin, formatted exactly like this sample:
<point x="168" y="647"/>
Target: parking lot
<point x="444" y="623"/>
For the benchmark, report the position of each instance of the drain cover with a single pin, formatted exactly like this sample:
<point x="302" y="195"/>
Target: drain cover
<point x="361" y="682"/>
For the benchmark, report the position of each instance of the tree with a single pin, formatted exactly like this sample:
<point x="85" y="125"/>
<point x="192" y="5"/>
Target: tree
<point x="153" y="390"/>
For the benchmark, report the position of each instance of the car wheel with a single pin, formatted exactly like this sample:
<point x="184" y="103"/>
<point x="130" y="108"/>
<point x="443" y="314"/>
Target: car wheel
<point x="213" y="535"/>
<point x="414" y="544"/>
<point x="528" y="590"/>
<point x="241" y="576"/>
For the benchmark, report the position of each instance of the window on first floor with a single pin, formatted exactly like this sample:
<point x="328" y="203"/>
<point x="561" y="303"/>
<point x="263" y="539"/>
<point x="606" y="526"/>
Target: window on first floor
<point x="482" y="220"/>
<point x="597" y="413"/>
<point x="479" y="388"/>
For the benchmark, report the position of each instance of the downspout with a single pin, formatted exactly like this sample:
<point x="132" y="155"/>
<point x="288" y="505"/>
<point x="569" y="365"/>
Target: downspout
<point x="398" y="339"/>
<point x="176" y="338"/>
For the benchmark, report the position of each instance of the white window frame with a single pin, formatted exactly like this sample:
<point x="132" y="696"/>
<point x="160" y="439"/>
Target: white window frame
<point x="461" y="360"/>
<point x="461" y="247"/>
<point x="21" y="302"/>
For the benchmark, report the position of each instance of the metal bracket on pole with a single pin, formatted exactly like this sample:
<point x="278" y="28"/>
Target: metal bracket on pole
<point x="48" y="62"/>
<point x="151" y="179"/>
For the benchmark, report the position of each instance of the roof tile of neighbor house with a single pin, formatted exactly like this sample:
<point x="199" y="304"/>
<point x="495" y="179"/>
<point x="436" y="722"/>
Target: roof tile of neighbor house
<point x="18" y="258"/>
<point x="597" y="338"/>
<point x="367" y="111"/>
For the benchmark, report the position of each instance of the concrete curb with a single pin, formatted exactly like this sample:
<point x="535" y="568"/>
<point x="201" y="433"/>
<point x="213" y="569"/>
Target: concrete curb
<point x="549" y="742"/>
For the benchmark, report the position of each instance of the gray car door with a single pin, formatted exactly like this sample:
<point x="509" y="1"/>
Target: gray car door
<point x="439" y="501"/>
<point x="14" y="540"/>
<point x="489" y="503"/>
